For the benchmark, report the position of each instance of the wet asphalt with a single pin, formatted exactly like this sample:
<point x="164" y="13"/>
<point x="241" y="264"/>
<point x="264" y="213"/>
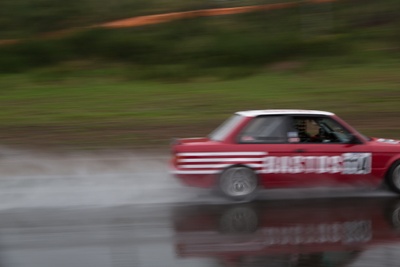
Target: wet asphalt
<point x="123" y="209"/>
<point x="299" y="232"/>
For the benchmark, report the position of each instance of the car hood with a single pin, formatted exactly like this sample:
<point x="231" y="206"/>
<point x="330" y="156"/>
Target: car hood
<point x="385" y="141"/>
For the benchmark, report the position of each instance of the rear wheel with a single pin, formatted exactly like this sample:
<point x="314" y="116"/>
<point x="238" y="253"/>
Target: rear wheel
<point x="238" y="183"/>
<point x="393" y="177"/>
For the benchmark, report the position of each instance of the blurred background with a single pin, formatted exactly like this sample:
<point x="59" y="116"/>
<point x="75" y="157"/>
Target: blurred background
<point x="76" y="74"/>
<point x="83" y="75"/>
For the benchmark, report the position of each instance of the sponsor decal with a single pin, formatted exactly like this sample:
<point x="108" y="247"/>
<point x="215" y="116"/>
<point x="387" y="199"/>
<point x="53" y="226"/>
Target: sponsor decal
<point x="213" y="162"/>
<point x="347" y="163"/>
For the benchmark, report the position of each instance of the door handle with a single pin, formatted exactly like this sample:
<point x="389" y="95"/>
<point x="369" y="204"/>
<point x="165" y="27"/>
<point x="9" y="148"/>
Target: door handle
<point x="299" y="150"/>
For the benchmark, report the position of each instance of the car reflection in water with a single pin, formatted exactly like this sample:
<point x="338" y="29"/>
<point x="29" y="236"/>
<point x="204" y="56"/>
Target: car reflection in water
<point x="301" y="233"/>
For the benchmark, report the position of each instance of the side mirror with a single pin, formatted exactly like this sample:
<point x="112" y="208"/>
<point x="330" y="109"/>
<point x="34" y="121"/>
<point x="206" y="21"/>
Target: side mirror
<point x="354" y="140"/>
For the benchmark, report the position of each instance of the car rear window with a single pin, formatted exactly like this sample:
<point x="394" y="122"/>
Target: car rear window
<point x="225" y="128"/>
<point x="265" y="129"/>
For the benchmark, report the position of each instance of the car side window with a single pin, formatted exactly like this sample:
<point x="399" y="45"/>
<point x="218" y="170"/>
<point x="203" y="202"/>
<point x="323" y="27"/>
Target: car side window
<point x="264" y="129"/>
<point x="310" y="129"/>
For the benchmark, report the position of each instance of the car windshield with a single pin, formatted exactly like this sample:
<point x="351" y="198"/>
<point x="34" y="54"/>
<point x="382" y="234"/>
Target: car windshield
<point x="338" y="128"/>
<point x="225" y="128"/>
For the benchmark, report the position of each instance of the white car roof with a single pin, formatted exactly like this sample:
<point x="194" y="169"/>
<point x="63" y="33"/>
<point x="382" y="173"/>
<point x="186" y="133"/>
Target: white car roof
<point x="254" y="113"/>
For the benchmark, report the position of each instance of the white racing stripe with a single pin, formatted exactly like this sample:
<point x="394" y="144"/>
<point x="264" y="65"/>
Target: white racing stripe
<point x="216" y="166"/>
<point x="223" y="160"/>
<point x="210" y="154"/>
<point x="250" y="159"/>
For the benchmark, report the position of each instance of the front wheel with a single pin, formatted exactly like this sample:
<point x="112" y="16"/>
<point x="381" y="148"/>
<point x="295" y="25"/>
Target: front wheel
<point x="238" y="183"/>
<point x="393" y="177"/>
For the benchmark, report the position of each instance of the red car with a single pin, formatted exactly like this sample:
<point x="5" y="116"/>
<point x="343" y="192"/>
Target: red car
<point x="284" y="148"/>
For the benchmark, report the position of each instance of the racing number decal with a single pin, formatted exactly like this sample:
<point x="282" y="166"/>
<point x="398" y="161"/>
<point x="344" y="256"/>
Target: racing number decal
<point x="356" y="163"/>
<point x="347" y="163"/>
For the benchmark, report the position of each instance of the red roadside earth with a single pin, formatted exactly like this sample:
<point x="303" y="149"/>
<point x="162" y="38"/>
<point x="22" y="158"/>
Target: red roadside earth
<point x="162" y="18"/>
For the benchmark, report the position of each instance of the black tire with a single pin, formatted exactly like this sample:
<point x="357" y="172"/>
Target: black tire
<point x="238" y="183"/>
<point x="393" y="177"/>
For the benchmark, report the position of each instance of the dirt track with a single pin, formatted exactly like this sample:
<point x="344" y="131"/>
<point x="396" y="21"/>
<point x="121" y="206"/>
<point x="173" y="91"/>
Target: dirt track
<point x="162" y="18"/>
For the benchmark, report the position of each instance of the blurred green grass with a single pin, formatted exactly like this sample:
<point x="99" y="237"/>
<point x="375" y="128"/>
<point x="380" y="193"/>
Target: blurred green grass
<point x="99" y="108"/>
<point x="142" y="86"/>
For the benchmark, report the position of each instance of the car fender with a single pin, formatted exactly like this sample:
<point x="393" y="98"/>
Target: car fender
<point x="390" y="163"/>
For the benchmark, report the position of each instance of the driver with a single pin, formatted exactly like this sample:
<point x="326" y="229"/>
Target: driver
<point x="304" y="127"/>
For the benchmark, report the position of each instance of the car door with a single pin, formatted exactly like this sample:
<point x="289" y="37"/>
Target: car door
<point x="329" y="156"/>
<point x="272" y="135"/>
